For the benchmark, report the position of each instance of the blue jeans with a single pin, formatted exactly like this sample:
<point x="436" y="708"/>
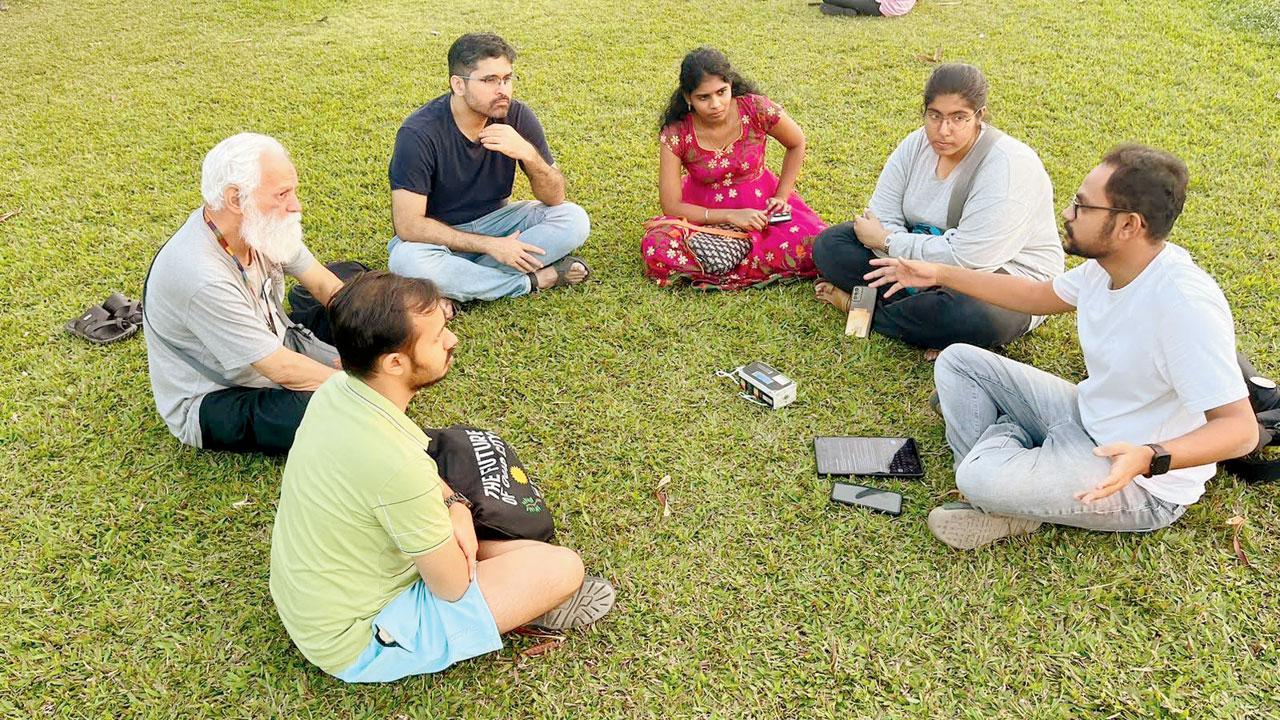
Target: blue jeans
<point x="1021" y="449"/>
<point x="558" y="230"/>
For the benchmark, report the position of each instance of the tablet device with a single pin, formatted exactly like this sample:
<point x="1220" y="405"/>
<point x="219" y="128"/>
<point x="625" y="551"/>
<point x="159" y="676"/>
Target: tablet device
<point x="876" y="456"/>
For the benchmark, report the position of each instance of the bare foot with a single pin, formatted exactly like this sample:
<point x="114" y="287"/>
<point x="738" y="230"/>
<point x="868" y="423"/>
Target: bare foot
<point x="832" y="295"/>
<point x="547" y="275"/>
<point x="930" y="355"/>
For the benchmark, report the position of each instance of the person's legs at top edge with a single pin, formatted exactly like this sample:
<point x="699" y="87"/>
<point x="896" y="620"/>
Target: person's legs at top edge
<point x="1022" y="455"/>
<point x="852" y="7"/>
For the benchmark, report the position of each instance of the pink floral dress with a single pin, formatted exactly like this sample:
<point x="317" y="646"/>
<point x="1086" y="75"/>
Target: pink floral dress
<point x="733" y="178"/>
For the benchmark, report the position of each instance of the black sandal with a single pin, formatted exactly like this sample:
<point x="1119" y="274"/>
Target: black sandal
<point x="122" y="308"/>
<point x="97" y="325"/>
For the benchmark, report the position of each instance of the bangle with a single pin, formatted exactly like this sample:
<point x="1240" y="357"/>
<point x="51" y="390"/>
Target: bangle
<point x="706" y="214"/>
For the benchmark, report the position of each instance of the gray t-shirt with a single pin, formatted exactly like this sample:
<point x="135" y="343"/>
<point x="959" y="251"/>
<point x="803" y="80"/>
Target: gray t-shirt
<point x="197" y="300"/>
<point x="1008" y="222"/>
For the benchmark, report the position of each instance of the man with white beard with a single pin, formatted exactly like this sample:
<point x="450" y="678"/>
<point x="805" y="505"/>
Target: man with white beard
<point x="229" y="370"/>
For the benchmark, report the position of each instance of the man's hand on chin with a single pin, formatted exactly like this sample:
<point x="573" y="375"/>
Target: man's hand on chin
<point x="505" y="139"/>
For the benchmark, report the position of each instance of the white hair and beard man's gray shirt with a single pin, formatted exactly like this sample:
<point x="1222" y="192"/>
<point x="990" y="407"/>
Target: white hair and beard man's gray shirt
<point x="202" y="313"/>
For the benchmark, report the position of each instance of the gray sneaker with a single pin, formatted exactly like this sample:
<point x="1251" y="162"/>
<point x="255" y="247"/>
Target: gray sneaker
<point x="964" y="527"/>
<point x="592" y="602"/>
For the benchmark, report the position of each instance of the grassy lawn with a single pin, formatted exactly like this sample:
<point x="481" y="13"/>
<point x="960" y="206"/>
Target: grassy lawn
<point x="133" y="571"/>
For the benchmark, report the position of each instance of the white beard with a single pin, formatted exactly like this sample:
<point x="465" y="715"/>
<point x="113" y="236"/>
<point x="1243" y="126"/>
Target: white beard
<point x="279" y="239"/>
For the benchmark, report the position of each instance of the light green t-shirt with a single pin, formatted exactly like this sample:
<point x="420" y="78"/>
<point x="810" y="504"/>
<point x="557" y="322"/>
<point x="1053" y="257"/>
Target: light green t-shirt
<point x="359" y="499"/>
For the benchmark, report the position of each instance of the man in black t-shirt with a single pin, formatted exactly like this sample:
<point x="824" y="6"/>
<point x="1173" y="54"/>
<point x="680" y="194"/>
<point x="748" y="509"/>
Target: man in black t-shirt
<point x="451" y="176"/>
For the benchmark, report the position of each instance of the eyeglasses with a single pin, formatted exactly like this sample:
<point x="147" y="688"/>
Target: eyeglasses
<point x="493" y="81"/>
<point x="957" y="119"/>
<point x="1075" y="205"/>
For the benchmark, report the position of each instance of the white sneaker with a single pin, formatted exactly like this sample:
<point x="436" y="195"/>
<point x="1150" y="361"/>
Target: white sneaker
<point x="964" y="527"/>
<point x="592" y="602"/>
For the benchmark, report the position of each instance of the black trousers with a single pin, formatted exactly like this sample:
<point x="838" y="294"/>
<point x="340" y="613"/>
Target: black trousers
<point x="245" y="420"/>
<point x="851" y="7"/>
<point x="933" y="318"/>
<point x="242" y="419"/>
<point x="260" y="419"/>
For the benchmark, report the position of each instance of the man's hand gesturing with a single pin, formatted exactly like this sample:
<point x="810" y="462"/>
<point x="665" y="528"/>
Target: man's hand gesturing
<point x="900" y="274"/>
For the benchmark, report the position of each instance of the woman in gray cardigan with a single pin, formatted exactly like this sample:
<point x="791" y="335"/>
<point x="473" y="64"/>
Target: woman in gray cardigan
<point x="1006" y="224"/>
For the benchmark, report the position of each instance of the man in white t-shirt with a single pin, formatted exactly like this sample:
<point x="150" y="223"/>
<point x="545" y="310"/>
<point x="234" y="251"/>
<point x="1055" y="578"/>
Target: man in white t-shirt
<point x="1130" y="447"/>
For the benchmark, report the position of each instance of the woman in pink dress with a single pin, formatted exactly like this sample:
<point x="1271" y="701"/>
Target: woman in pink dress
<point x="714" y="132"/>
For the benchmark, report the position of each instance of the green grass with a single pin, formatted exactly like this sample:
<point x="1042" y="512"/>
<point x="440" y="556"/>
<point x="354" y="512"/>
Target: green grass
<point x="133" y="571"/>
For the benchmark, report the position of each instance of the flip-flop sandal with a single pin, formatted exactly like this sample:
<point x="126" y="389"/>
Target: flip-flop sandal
<point x="562" y="270"/>
<point x="561" y="267"/>
<point x="97" y="326"/>
<point x="122" y="308"/>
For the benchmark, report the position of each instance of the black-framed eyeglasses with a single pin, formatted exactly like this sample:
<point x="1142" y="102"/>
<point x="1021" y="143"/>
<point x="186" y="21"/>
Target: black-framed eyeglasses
<point x="1075" y="205"/>
<point x="956" y="119"/>
<point x="493" y="81"/>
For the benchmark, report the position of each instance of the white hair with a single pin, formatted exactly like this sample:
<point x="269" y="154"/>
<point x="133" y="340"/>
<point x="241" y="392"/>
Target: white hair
<point x="236" y="161"/>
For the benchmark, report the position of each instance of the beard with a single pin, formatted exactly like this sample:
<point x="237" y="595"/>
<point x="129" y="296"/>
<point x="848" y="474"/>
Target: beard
<point x="495" y="109"/>
<point x="278" y="239"/>
<point x="422" y="377"/>
<point x="1101" y="246"/>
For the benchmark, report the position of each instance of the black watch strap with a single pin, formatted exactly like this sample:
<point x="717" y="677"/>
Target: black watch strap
<point x="1159" y="461"/>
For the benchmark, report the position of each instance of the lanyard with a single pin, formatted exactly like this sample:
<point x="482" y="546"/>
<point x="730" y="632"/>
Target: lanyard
<point x="244" y="274"/>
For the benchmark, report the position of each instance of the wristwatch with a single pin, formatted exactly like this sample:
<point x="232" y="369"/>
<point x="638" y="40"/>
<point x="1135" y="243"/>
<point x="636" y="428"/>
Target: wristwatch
<point x="1159" y="461"/>
<point x="457" y="497"/>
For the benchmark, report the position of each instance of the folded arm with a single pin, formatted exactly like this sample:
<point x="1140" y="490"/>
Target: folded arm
<point x="293" y="370"/>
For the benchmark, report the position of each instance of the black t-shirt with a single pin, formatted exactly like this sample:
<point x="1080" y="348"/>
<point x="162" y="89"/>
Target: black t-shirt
<point x="461" y="179"/>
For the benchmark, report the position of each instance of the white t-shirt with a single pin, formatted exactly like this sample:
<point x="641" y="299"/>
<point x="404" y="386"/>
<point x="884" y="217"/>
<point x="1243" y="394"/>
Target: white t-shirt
<point x="1159" y="351"/>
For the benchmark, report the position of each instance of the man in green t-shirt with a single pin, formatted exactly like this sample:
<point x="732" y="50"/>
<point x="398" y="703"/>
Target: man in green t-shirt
<point x="375" y="567"/>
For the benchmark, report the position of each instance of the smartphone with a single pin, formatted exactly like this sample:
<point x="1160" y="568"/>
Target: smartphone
<point x="882" y="501"/>
<point x="781" y="217"/>
<point x="862" y="305"/>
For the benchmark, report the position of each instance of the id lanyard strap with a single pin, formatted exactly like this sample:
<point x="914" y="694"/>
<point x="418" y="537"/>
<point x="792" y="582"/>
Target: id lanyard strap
<point x="244" y="274"/>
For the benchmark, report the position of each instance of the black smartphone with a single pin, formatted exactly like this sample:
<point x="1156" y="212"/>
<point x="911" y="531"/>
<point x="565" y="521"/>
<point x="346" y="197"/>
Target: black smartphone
<point x="883" y="501"/>
<point x="875" y="456"/>
<point x="780" y="217"/>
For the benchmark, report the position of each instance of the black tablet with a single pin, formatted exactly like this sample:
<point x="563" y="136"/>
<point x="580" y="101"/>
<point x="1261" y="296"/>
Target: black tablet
<point x="877" y="456"/>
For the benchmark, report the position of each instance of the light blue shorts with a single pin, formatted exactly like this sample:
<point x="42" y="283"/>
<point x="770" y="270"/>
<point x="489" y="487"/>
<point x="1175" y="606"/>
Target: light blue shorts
<point x="427" y="635"/>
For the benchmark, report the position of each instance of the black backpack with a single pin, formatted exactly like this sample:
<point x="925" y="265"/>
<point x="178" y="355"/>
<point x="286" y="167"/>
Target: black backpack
<point x="506" y="504"/>
<point x="1264" y="396"/>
